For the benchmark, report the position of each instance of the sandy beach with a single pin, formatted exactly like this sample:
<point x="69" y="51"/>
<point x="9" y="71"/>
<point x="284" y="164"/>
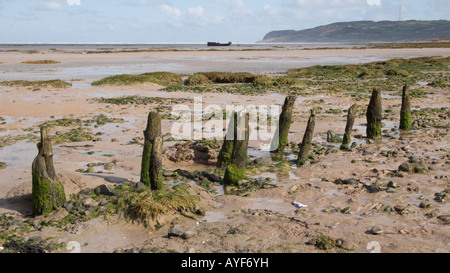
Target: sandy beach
<point x="265" y="221"/>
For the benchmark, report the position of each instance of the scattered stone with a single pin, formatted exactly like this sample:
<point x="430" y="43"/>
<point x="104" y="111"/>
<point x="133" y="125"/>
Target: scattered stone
<point x="200" y="212"/>
<point x="393" y="185"/>
<point x="377" y="230"/>
<point x="103" y="202"/>
<point x="262" y="161"/>
<point x="105" y="190"/>
<point x="425" y="205"/>
<point x="139" y="185"/>
<point x="350" y="181"/>
<point x="332" y="137"/>
<point x="444" y="218"/>
<point x="119" y="250"/>
<point x="89" y="202"/>
<point x="174" y="232"/>
<point x="188" y="234"/>
<point x="440" y="197"/>
<point x="401" y="209"/>
<point x="69" y="206"/>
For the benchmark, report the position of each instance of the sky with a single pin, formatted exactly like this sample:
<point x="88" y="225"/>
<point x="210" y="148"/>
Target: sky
<point x="153" y="21"/>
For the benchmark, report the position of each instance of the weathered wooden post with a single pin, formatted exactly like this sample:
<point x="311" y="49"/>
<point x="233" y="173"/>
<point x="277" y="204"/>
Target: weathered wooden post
<point x="349" y="127"/>
<point x="225" y="155"/>
<point x="284" y="124"/>
<point x="235" y="172"/>
<point x="305" y="146"/>
<point x="405" y="112"/>
<point x="374" y="112"/>
<point x="151" y="167"/>
<point x="47" y="192"/>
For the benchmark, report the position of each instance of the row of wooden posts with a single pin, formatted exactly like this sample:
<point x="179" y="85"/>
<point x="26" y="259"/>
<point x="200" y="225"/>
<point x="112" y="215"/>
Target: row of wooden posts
<point x="48" y="193"/>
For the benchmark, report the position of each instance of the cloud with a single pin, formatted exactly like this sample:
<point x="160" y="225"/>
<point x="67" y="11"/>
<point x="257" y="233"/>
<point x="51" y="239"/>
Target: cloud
<point x="374" y="2"/>
<point x="49" y="5"/>
<point x="73" y="2"/>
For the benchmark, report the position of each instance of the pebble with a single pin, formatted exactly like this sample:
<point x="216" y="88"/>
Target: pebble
<point x="69" y="206"/>
<point x="188" y="234"/>
<point x="400" y="209"/>
<point x="105" y="190"/>
<point x="140" y="185"/>
<point x="377" y="230"/>
<point x="174" y="232"/>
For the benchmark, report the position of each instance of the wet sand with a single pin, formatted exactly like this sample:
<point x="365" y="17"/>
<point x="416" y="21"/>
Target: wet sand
<point x="266" y="221"/>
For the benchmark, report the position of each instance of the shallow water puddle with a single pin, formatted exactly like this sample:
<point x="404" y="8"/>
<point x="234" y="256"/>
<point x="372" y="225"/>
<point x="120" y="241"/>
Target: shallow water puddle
<point x="18" y="155"/>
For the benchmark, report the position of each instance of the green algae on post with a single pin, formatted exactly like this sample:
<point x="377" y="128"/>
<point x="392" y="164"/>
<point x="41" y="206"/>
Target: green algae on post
<point x="284" y="124"/>
<point x="405" y="112"/>
<point x="352" y="111"/>
<point x="373" y="115"/>
<point x="235" y="172"/>
<point x="151" y="167"/>
<point x="224" y="158"/>
<point x="47" y="192"/>
<point x="305" y="146"/>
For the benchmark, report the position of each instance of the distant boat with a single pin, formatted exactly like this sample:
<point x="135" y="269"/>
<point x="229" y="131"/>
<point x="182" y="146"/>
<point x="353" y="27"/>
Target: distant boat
<point x="219" y="44"/>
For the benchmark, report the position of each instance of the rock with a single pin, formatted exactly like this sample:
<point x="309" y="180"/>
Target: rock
<point x="377" y="230"/>
<point x="89" y="202"/>
<point x="69" y="206"/>
<point x="103" y="202"/>
<point x="174" y="232"/>
<point x="332" y="137"/>
<point x="425" y="205"/>
<point x="185" y="174"/>
<point x="392" y="184"/>
<point x="262" y="161"/>
<point x="188" y="234"/>
<point x="400" y="209"/>
<point x="105" y="190"/>
<point x="440" y="197"/>
<point x="134" y="250"/>
<point x="119" y="250"/>
<point x="86" y="191"/>
<point x="211" y="177"/>
<point x="416" y="167"/>
<point x="139" y="185"/>
<point x="200" y="212"/>
<point x="350" y="181"/>
<point x="444" y="218"/>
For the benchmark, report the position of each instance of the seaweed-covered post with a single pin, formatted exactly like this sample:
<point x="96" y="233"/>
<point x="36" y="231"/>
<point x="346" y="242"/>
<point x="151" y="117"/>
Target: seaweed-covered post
<point x="235" y="172"/>
<point x="305" y="146"/>
<point x="151" y="168"/>
<point x="405" y="112"/>
<point x="351" y="114"/>
<point x="224" y="158"/>
<point x="284" y="124"/>
<point x="47" y="192"/>
<point x="374" y="112"/>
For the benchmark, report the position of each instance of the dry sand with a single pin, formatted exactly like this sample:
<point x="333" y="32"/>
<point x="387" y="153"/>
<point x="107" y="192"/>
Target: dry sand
<point x="266" y="221"/>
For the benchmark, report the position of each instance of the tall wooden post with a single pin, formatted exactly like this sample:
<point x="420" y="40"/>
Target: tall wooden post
<point x="151" y="167"/>
<point x="374" y="112"/>
<point x="47" y="192"/>
<point x="305" y="146"/>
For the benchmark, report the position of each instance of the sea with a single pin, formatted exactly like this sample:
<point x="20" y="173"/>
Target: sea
<point x="101" y="46"/>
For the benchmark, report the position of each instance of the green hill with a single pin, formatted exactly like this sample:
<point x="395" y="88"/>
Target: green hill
<point x="365" y="31"/>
